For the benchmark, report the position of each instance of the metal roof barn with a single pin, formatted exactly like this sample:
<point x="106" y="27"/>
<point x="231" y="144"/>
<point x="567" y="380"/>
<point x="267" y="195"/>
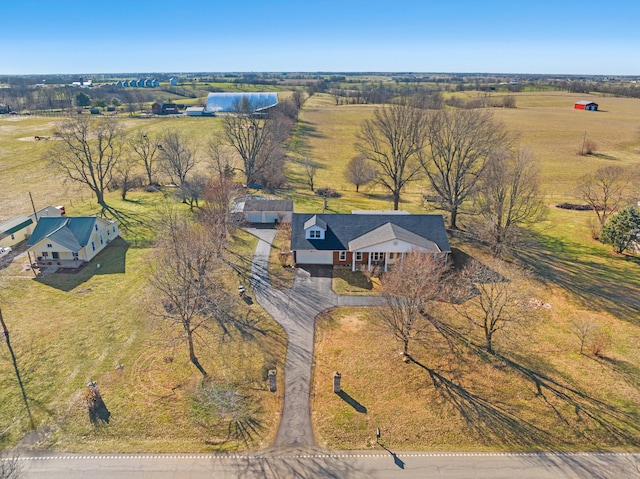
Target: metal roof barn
<point x="228" y="102"/>
<point x="586" y="105"/>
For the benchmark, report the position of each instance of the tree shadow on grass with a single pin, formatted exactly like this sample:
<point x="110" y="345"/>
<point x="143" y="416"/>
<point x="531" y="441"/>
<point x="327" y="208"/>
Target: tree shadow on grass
<point x="491" y="421"/>
<point x="621" y="427"/>
<point x="112" y="260"/>
<point x="597" y="285"/>
<point x="629" y="372"/>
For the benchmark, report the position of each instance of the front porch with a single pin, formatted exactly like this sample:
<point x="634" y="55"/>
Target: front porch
<point x="375" y="259"/>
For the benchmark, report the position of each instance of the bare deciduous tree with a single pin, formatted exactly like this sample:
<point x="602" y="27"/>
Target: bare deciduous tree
<point x="257" y="137"/>
<point x="460" y="142"/>
<point x="584" y="329"/>
<point x="508" y="196"/>
<point x="407" y="290"/>
<point x="394" y="140"/>
<point x="604" y="190"/>
<point x="88" y="152"/>
<point x="177" y="156"/>
<point x="220" y="157"/>
<point x="310" y="169"/>
<point x="298" y="97"/>
<point x="192" y="190"/>
<point x="216" y="211"/>
<point x="125" y="176"/>
<point x="496" y="298"/>
<point x="145" y="148"/>
<point x="359" y="172"/>
<point x="187" y="280"/>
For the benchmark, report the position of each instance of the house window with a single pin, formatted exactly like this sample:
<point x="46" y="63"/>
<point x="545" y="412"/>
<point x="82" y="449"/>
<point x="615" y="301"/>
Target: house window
<point x="49" y="245"/>
<point x="45" y="254"/>
<point x="101" y="241"/>
<point x="314" y="234"/>
<point x="75" y="255"/>
<point x="13" y="237"/>
<point x="377" y="256"/>
<point x="359" y="256"/>
<point x="114" y="229"/>
<point x="343" y="256"/>
<point x="55" y="255"/>
<point x="96" y="226"/>
<point x="93" y="246"/>
<point x="108" y="232"/>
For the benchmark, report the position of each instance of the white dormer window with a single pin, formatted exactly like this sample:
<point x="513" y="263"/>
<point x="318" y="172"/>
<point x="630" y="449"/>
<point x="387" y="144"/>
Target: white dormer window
<point x="315" y="228"/>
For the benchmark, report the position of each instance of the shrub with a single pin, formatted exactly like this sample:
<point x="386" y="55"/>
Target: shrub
<point x="328" y="193"/>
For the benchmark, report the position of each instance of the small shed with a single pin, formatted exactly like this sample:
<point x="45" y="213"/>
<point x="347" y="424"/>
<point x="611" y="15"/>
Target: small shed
<point x="586" y="105"/>
<point x="94" y="111"/>
<point x="155" y="83"/>
<point x="268" y="211"/>
<point x="195" y="111"/>
<point x="173" y="81"/>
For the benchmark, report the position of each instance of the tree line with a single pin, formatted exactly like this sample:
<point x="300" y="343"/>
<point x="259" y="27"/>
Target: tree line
<point x="101" y="156"/>
<point x="467" y="159"/>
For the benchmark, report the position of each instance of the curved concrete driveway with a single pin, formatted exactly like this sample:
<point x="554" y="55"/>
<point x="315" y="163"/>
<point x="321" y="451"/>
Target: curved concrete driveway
<point x="295" y="310"/>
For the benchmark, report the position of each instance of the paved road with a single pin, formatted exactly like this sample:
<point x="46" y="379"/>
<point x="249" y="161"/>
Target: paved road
<point x="309" y="463"/>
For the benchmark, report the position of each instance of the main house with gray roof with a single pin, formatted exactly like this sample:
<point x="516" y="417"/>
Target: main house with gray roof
<point x="71" y="239"/>
<point x="365" y="240"/>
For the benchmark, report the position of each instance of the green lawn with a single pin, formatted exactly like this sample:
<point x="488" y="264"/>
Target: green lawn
<point x="68" y="329"/>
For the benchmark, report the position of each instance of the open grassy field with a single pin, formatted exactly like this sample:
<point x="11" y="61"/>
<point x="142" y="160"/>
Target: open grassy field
<point x="544" y="121"/>
<point x="22" y="168"/>
<point x="70" y="330"/>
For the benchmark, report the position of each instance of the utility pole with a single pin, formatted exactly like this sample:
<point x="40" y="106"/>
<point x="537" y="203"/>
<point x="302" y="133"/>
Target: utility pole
<point x="35" y="213"/>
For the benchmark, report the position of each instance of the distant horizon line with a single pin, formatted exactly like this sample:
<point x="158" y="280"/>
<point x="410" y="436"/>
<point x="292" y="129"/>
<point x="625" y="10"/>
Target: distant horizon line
<point x="324" y="72"/>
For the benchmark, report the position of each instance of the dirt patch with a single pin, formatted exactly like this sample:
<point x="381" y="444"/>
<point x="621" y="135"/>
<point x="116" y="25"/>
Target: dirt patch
<point x="351" y="323"/>
<point x="40" y="138"/>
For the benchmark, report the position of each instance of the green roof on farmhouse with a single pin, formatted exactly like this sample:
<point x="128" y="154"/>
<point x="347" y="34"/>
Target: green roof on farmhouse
<point x="70" y="232"/>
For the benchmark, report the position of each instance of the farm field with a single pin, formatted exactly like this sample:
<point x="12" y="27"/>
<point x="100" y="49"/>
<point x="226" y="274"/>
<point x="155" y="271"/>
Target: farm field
<point x="70" y="330"/>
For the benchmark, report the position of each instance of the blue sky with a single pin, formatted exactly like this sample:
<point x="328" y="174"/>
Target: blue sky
<point x="566" y="37"/>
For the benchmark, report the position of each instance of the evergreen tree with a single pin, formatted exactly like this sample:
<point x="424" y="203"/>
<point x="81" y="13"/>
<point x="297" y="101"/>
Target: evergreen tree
<point x="622" y="229"/>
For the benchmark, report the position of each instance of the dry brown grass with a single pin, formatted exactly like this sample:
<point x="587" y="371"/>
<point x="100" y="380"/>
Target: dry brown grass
<point x="546" y="121"/>
<point x="281" y="275"/>
<point x="540" y="393"/>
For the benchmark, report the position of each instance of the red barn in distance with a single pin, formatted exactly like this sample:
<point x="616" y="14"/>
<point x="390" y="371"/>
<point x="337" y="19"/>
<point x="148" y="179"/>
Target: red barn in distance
<point x="586" y="105"/>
